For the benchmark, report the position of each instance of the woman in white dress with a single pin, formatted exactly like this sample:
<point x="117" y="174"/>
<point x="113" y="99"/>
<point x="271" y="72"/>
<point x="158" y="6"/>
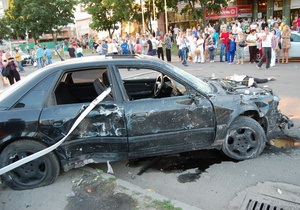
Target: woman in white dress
<point x="199" y="50"/>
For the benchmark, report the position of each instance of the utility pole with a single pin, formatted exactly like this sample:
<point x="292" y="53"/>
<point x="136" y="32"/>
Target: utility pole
<point x="166" y="16"/>
<point x="142" y="5"/>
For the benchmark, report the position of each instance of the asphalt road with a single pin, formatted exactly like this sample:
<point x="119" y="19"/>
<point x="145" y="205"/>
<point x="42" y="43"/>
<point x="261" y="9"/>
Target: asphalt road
<point x="204" y="179"/>
<point x="208" y="181"/>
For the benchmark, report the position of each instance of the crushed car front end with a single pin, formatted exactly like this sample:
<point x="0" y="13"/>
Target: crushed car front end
<point x="258" y="103"/>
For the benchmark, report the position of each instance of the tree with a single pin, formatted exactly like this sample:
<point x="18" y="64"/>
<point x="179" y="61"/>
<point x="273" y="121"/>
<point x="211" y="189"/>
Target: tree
<point x="106" y="14"/>
<point x="160" y="8"/>
<point x="5" y="30"/>
<point x="38" y="16"/>
<point x="211" y="6"/>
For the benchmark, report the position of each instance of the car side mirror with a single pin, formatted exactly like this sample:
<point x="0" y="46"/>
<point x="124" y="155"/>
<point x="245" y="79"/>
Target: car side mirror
<point x="193" y="96"/>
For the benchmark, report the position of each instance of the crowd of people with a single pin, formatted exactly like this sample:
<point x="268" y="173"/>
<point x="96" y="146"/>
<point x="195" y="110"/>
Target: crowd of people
<point x="266" y="38"/>
<point x="12" y="61"/>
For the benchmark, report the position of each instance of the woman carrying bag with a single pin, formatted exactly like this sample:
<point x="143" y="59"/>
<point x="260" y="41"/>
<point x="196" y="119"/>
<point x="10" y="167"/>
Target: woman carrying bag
<point x="9" y="63"/>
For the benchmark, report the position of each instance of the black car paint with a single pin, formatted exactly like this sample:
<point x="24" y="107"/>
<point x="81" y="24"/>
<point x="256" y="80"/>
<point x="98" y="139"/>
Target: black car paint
<point x="116" y="129"/>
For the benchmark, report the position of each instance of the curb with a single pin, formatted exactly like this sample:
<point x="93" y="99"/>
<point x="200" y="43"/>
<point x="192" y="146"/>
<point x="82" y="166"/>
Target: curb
<point x="140" y="192"/>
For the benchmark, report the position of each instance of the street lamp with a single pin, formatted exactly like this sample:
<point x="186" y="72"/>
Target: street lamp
<point x="166" y="16"/>
<point x="142" y="5"/>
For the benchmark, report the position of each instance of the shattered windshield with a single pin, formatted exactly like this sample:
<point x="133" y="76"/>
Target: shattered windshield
<point x="199" y="84"/>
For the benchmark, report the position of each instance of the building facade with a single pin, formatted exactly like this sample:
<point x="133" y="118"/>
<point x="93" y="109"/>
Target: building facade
<point x="240" y="9"/>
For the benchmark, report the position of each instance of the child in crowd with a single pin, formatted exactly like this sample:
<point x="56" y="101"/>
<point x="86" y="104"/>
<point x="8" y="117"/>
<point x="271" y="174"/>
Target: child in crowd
<point x="230" y="49"/>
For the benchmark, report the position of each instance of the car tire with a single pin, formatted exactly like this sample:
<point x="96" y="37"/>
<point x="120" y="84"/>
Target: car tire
<point x="245" y="139"/>
<point x="39" y="172"/>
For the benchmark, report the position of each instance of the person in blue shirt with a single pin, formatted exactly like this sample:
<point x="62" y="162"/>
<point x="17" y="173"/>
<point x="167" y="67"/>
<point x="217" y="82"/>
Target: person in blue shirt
<point x="125" y="47"/>
<point x="48" y="55"/>
<point x="39" y="57"/>
<point x="215" y="36"/>
<point x="230" y="49"/>
<point x="104" y="48"/>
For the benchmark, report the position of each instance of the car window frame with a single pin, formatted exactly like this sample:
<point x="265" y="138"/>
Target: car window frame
<point x="158" y="69"/>
<point x="52" y="98"/>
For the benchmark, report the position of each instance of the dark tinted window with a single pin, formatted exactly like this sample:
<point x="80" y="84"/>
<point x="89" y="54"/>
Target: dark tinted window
<point x="36" y="96"/>
<point x="295" y="38"/>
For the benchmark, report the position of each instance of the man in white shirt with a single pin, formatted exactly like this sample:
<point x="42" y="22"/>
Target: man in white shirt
<point x="266" y="40"/>
<point x="176" y="31"/>
<point x="154" y="44"/>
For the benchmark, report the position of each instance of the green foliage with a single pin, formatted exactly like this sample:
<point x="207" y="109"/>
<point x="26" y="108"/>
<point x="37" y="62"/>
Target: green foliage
<point x="5" y="30"/>
<point x="211" y="6"/>
<point x="159" y="9"/>
<point x="39" y="16"/>
<point x="106" y="14"/>
<point x="164" y="205"/>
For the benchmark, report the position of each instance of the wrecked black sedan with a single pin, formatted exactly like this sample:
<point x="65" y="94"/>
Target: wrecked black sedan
<point x="154" y="109"/>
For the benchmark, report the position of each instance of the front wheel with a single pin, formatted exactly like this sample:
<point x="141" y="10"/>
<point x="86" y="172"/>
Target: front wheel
<point x="245" y="139"/>
<point x="39" y="172"/>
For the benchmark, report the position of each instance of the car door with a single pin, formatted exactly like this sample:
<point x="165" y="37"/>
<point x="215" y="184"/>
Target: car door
<point x="169" y="124"/>
<point x="295" y="45"/>
<point x="99" y="137"/>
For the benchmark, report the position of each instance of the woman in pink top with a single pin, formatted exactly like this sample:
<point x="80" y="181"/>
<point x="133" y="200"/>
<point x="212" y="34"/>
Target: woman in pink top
<point x="299" y="23"/>
<point x="138" y="47"/>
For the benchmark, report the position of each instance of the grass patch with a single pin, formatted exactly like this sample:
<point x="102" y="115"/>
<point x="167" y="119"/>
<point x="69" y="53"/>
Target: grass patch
<point x="164" y="205"/>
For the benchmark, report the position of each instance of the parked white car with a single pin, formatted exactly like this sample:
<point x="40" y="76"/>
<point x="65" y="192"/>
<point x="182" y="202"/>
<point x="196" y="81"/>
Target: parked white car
<point x="295" y="46"/>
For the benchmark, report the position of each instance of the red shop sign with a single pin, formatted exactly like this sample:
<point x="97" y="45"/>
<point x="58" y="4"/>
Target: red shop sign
<point x="225" y="13"/>
<point x="245" y="9"/>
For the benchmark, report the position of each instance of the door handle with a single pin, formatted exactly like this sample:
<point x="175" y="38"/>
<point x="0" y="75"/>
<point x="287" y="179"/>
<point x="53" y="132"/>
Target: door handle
<point x="140" y="117"/>
<point x="58" y="123"/>
<point x="185" y="102"/>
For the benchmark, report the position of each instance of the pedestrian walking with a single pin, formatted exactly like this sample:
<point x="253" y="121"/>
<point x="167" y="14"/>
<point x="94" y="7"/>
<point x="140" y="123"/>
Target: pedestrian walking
<point x="48" y="55"/>
<point x="18" y="57"/>
<point x="39" y="56"/>
<point x="266" y="42"/>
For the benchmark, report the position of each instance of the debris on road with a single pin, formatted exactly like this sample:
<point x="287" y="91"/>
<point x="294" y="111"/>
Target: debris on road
<point x="284" y="142"/>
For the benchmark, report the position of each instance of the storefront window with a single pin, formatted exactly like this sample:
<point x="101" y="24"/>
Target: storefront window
<point x="278" y="4"/>
<point x="295" y="11"/>
<point x="262" y="9"/>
